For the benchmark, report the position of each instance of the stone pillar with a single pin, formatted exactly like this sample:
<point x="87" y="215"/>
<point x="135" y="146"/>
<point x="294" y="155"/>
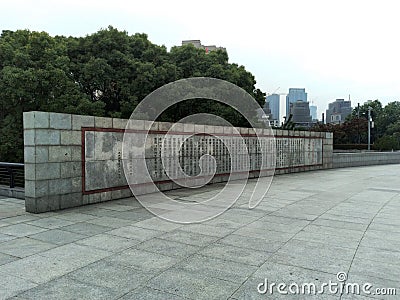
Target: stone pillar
<point x="52" y="151"/>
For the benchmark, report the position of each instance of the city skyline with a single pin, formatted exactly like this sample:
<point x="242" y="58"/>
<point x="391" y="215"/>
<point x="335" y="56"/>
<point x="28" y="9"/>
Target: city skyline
<point x="321" y="52"/>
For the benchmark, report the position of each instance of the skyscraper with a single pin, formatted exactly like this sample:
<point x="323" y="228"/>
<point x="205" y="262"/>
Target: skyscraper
<point x="313" y="112"/>
<point x="338" y="111"/>
<point x="301" y="113"/>
<point x="273" y="102"/>
<point x="294" y="95"/>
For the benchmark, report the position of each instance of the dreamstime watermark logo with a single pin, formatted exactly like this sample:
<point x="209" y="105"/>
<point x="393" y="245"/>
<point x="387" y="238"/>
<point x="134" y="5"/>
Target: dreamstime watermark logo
<point x="187" y="155"/>
<point x="341" y="287"/>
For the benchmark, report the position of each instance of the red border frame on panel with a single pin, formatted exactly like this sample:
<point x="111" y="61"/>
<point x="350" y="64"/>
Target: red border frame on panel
<point x="83" y="153"/>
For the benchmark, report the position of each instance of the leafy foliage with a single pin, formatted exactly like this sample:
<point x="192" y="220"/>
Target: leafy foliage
<point x="104" y="74"/>
<point x="387" y="142"/>
<point x="386" y="131"/>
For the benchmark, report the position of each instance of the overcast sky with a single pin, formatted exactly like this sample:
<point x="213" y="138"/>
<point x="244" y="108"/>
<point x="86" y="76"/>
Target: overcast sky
<point x="332" y="48"/>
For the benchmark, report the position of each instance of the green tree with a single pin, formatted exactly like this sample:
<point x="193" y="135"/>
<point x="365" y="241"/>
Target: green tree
<point x="105" y="74"/>
<point x="34" y="76"/>
<point x="389" y="117"/>
<point x="387" y="143"/>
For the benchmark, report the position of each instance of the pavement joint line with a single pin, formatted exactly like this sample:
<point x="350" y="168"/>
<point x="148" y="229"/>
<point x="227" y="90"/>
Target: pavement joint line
<point x="197" y="252"/>
<point x="141" y="286"/>
<point x="112" y="254"/>
<point x="16" y="276"/>
<point x="378" y="210"/>
<point x="54" y="279"/>
<point x="285" y="243"/>
<point x="365" y="231"/>
<point x="385" y="190"/>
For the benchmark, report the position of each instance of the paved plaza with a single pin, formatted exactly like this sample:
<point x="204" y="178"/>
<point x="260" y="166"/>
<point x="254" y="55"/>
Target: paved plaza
<point x="310" y="227"/>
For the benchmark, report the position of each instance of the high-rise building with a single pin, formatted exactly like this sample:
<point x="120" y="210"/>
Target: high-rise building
<point x="338" y="111"/>
<point x="301" y="113"/>
<point x="295" y="95"/>
<point x="313" y="112"/>
<point x="267" y="109"/>
<point x="273" y="104"/>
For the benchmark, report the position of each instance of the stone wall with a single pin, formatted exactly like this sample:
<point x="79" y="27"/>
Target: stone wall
<point x="73" y="160"/>
<point x="344" y="160"/>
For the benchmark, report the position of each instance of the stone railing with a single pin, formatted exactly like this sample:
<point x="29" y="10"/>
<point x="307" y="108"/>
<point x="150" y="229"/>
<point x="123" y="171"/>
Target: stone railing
<point x="358" y="159"/>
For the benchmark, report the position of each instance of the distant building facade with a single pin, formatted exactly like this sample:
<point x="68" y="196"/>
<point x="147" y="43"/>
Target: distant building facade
<point x="295" y="94"/>
<point x="197" y="44"/>
<point x="313" y="112"/>
<point x="264" y="115"/>
<point x="301" y="113"/>
<point x="273" y="102"/>
<point x="338" y="111"/>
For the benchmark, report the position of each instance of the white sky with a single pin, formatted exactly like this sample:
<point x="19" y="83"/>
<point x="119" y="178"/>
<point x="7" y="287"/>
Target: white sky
<point x="331" y="48"/>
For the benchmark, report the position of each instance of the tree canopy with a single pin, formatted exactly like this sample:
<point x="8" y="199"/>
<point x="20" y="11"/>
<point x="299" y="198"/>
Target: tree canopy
<point x="386" y="131"/>
<point x="104" y="74"/>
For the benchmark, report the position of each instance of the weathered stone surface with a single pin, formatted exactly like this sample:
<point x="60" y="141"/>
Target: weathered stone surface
<point x="71" y="137"/>
<point x="29" y="137"/>
<point x="47" y="137"/>
<point x="60" y="121"/>
<point x="60" y="153"/>
<point x="101" y="122"/>
<point x="82" y="121"/>
<point x="36" y="119"/>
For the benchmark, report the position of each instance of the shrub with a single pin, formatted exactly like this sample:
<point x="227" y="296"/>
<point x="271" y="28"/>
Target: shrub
<point x="350" y="146"/>
<point x="387" y="143"/>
